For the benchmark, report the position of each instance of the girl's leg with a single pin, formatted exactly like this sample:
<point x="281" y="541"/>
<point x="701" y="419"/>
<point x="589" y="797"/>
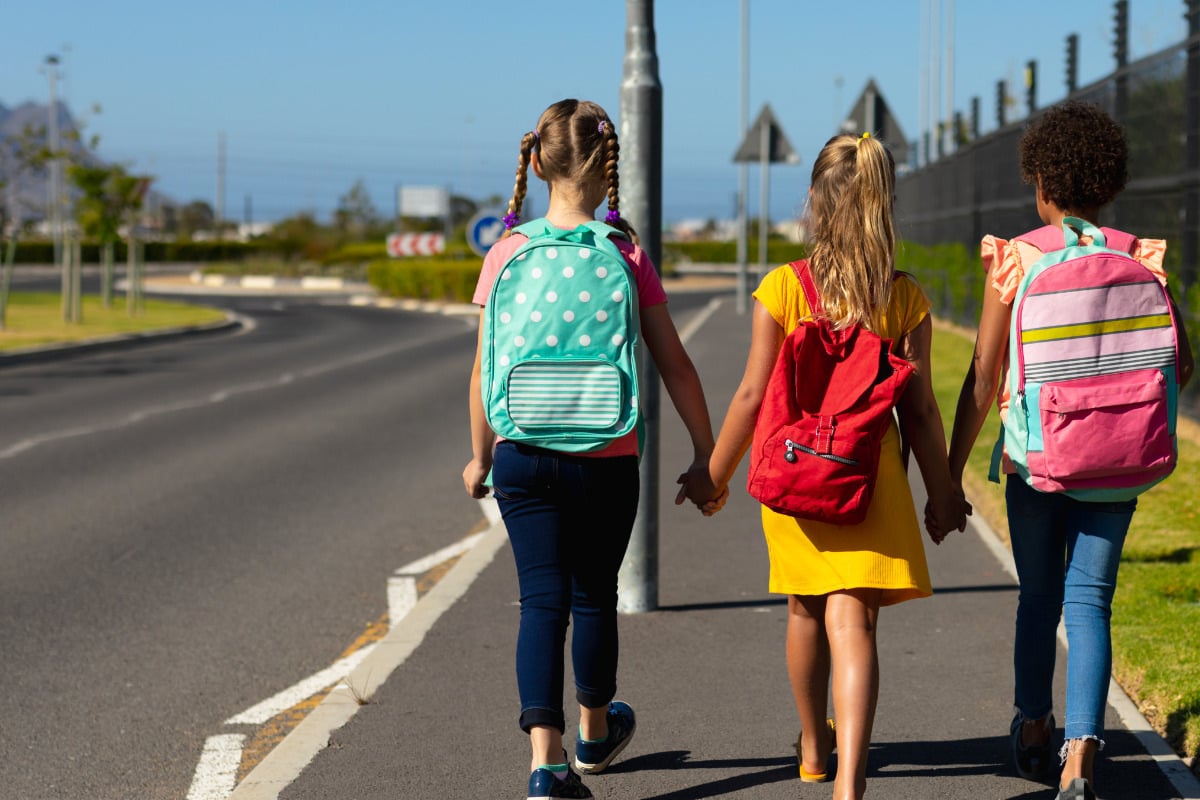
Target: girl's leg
<point x="1037" y="526"/>
<point x="603" y="500"/>
<point x="808" y="670"/>
<point x="850" y="619"/>
<point x="1096" y="535"/>
<point x="531" y="515"/>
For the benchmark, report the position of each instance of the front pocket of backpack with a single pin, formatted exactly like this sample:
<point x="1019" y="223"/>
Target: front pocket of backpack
<point x="831" y="483"/>
<point x="566" y="395"/>
<point x="1105" y="426"/>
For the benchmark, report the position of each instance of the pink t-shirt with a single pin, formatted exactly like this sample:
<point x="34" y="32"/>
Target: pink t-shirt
<point x="650" y="293"/>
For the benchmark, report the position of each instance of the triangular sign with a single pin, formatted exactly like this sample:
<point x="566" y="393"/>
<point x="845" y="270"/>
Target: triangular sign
<point x="766" y="129"/>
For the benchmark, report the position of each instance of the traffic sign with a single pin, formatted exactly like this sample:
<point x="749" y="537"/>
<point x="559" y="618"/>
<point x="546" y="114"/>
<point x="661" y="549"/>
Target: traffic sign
<point x="484" y="230"/>
<point x="415" y="244"/>
<point x="765" y="141"/>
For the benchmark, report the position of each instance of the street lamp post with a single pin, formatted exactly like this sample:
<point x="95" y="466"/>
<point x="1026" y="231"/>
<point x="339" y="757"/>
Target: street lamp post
<point x="641" y="204"/>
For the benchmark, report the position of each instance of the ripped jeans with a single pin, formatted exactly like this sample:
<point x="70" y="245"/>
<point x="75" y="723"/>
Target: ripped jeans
<point x="1067" y="552"/>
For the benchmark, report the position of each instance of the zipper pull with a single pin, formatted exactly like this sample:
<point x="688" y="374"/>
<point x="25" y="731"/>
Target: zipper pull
<point x="790" y="456"/>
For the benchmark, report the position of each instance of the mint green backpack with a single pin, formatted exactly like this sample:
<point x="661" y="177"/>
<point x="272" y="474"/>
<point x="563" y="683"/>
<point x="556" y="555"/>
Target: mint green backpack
<point x="560" y="341"/>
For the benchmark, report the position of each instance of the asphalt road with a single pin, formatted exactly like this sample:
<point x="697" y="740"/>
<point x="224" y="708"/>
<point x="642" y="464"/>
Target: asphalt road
<point x="186" y="529"/>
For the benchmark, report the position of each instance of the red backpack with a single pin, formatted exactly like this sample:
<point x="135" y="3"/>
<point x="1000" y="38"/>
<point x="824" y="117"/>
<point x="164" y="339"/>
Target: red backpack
<point x="827" y="407"/>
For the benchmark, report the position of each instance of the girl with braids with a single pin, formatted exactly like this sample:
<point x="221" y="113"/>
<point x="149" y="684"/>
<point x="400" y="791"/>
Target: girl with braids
<point x="1074" y="155"/>
<point x="570" y="515"/>
<point x="838" y="576"/>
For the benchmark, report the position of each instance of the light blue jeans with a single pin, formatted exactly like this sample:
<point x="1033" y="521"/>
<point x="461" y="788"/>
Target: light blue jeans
<point x="1067" y="553"/>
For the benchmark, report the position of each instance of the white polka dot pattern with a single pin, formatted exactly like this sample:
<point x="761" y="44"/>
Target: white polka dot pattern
<point x="560" y="359"/>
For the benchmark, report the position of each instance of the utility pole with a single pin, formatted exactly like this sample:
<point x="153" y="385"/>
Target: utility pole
<point x="641" y="202"/>
<point x="743" y="223"/>
<point x="220" y="205"/>
<point x="54" y="187"/>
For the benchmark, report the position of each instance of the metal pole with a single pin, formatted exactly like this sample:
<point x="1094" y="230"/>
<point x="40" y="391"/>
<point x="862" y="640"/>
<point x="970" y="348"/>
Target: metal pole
<point x="743" y="233"/>
<point x="764" y="179"/>
<point x="641" y="202"/>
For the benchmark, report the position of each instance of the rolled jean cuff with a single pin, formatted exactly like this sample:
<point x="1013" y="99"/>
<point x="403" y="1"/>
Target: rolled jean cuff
<point x="543" y="717"/>
<point x="590" y="699"/>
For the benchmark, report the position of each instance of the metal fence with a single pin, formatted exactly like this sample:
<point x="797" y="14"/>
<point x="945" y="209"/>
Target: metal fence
<point x="977" y="188"/>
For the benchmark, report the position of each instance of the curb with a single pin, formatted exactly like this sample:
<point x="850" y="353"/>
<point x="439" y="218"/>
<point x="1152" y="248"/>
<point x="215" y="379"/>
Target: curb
<point x="289" y="758"/>
<point x="55" y="352"/>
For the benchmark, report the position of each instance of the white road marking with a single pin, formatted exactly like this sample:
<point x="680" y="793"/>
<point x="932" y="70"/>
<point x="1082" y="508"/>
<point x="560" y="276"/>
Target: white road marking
<point x="298" y="693"/>
<point x="216" y="774"/>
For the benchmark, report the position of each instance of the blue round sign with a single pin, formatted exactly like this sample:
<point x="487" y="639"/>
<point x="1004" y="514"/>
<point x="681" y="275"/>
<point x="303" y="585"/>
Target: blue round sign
<point x="484" y="230"/>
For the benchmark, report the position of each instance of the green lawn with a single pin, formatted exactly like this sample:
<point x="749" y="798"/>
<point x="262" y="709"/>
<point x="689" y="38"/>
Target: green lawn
<point x="36" y="319"/>
<point x="1156" y="613"/>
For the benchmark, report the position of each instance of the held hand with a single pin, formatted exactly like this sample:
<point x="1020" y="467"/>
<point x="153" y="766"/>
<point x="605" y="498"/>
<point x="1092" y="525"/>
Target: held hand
<point x="716" y="504"/>
<point x="474" y="477"/>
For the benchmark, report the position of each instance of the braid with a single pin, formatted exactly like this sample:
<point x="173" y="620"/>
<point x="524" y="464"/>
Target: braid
<point x="611" y="155"/>
<point x="528" y="142"/>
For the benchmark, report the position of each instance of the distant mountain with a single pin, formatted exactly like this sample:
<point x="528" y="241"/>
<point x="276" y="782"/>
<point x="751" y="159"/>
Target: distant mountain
<point x="30" y="190"/>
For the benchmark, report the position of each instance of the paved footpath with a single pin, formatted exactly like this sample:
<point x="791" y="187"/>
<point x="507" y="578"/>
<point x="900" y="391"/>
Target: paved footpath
<point x="705" y="673"/>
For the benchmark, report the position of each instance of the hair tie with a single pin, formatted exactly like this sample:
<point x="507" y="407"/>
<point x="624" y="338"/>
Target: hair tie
<point x="511" y="220"/>
<point x="866" y="135"/>
<point x="612" y="216"/>
<point x="600" y="127"/>
<point x="536" y="134"/>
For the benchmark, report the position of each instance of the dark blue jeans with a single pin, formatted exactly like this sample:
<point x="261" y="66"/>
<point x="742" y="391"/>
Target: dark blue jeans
<point x="569" y="519"/>
<point x="1067" y="553"/>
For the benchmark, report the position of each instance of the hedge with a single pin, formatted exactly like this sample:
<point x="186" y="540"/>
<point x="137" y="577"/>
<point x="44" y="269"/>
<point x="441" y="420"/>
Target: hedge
<point x="425" y="278"/>
<point x="42" y="252"/>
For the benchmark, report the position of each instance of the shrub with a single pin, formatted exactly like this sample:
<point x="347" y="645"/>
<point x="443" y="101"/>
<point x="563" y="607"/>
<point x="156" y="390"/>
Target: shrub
<point x="425" y="278"/>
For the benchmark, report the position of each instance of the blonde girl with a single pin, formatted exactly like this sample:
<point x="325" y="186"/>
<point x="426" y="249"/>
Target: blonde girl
<point x="837" y="577"/>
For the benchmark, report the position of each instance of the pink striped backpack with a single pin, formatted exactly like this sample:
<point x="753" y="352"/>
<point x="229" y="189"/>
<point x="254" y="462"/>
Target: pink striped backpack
<point x="1093" y="366"/>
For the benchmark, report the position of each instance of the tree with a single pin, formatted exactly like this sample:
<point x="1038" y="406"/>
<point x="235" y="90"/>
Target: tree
<point x="355" y="213"/>
<point x="197" y="215"/>
<point x="109" y="196"/>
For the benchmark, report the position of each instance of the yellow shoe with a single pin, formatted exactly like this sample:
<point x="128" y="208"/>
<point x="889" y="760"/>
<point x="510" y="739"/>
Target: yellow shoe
<point x="814" y="777"/>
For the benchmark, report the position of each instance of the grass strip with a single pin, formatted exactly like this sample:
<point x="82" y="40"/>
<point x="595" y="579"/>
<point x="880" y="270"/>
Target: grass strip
<point x="1156" y="611"/>
<point x="35" y="318"/>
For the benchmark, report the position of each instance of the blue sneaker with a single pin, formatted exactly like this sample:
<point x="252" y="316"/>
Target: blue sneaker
<point x="543" y="785"/>
<point x="594" y="757"/>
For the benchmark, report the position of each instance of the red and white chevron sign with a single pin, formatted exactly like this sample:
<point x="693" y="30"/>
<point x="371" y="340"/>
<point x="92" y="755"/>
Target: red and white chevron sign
<point x="415" y="244"/>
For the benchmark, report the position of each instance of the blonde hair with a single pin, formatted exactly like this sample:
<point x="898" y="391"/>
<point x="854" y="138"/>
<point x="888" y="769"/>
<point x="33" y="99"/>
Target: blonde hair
<point x="853" y="239"/>
<point x="576" y="142"/>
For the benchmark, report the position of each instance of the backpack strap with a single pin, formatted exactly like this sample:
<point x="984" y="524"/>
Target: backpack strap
<point x="804" y="274"/>
<point x="1048" y="238"/>
<point x="542" y="227"/>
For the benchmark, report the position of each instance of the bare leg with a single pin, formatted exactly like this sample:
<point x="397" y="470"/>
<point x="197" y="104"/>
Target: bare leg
<point x="547" y="746"/>
<point x="593" y="722"/>
<point x="808" y="670"/>
<point x="850" y="619"/>
<point x="1081" y="756"/>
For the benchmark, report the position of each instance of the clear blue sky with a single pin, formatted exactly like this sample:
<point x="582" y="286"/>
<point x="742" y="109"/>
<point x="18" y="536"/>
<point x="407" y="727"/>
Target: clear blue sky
<point x="312" y="96"/>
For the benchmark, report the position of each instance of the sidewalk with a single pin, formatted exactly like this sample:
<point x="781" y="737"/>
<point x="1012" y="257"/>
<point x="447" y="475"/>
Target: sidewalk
<point x="705" y="673"/>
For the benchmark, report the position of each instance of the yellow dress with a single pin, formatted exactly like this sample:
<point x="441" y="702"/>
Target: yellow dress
<point x="886" y="550"/>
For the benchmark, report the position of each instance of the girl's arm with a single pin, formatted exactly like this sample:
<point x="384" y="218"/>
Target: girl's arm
<point x="680" y="377"/>
<point x="737" y="431"/>
<point x="921" y="422"/>
<point x="982" y="381"/>
<point x="482" y="436"/>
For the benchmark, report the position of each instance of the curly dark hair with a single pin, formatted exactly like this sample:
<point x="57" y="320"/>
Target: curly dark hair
<point x="1078" y="152"/>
